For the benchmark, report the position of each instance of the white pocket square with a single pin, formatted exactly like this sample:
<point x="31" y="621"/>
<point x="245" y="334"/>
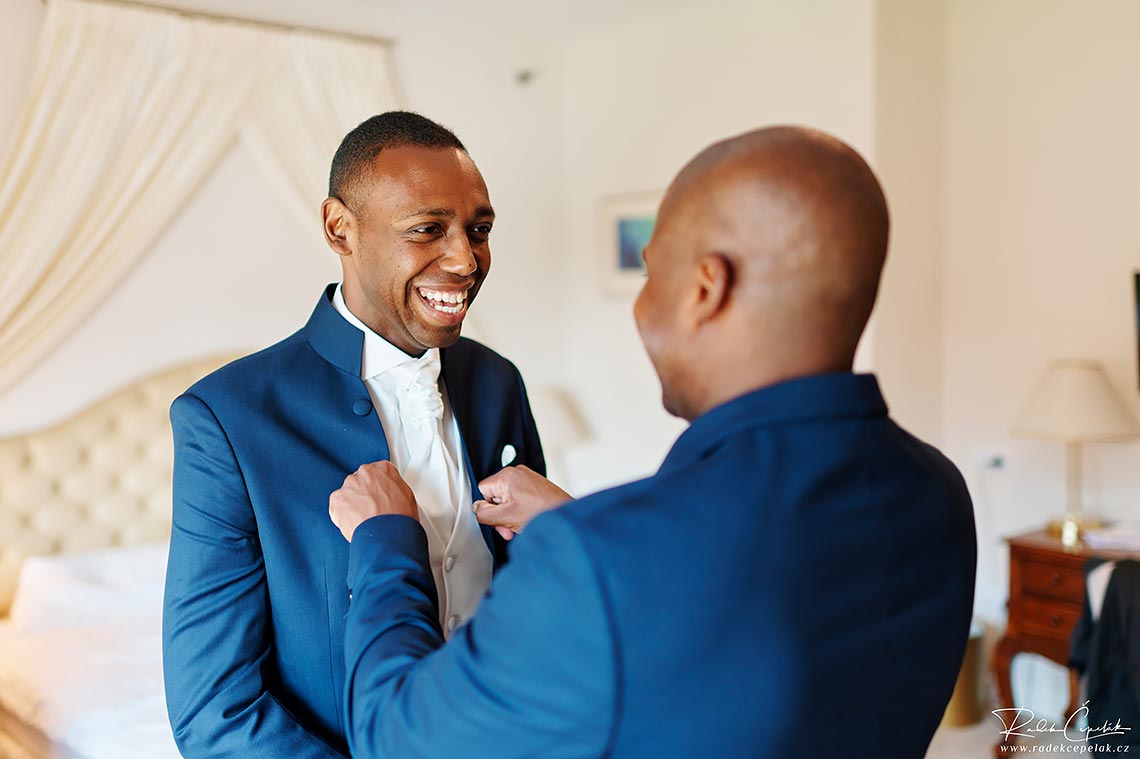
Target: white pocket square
<point x="509" y="454"/>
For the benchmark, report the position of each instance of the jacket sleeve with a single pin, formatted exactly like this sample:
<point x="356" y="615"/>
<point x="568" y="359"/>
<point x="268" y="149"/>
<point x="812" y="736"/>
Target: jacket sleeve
<point x="532" y="674"/>
<point x="216" y="637"/>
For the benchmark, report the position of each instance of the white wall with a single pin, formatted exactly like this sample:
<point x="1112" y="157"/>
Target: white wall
<point x="1042" y="187"/>
<point x="910" y="93"/>
<point x="469" y="82"/>
<point x="640" y="101"/>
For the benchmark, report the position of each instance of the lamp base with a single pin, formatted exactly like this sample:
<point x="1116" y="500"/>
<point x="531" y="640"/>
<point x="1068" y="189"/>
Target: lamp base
<point x="1072" y="527"/>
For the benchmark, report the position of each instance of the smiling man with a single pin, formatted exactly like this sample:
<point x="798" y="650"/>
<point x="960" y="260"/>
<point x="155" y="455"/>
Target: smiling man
<point x="256" y="600"/>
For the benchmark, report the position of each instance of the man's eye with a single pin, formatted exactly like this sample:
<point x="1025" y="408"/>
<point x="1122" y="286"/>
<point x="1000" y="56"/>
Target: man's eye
<point x="481" y="230"/>
<point x="426" y="229"/>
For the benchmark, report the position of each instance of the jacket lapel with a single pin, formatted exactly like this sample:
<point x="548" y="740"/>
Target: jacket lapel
<point x="342" y="345"/>
<point x="454" y="373"/>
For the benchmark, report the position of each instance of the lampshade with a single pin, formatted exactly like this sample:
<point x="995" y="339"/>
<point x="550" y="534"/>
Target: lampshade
<point x="1076" y="402"/>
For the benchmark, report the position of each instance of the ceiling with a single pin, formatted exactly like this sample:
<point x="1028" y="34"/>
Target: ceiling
<point x="387" y="18"/>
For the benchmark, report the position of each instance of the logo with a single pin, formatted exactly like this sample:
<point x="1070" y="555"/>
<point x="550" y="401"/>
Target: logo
<point x="1019" y="722"/>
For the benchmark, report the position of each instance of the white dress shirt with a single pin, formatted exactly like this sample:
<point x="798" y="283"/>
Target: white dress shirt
<point x="460" y="560"/>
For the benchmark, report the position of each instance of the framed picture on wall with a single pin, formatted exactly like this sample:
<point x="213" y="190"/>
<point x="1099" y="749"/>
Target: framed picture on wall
<point x="627" y="224"/>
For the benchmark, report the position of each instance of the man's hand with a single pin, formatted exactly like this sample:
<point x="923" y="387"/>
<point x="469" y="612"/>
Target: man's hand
<point x="515" y="496"/>
<point x="372" y="490"/>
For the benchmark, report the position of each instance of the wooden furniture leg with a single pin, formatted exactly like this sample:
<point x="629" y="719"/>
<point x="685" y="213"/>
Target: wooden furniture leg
<point x="1074" y="692"/>
<point x="1002" y="660"/>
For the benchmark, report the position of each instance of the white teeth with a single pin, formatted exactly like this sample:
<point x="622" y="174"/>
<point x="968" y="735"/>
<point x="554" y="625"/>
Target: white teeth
<point x="447" y="302"/>
<point x="443" y="297"/>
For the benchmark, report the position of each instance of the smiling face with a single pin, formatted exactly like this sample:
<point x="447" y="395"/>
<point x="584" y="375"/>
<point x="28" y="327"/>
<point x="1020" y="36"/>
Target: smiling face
<point x="414" y="244"/>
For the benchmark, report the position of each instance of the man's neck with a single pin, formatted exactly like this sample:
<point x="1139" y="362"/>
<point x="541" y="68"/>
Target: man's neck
<point x="722" y="386"/>
<point x="378" y="354"/>
<point x="358" y="316"/>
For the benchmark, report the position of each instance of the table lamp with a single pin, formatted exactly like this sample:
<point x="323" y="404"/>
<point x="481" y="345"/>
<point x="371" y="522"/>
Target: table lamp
<point x="1075" y="403"/>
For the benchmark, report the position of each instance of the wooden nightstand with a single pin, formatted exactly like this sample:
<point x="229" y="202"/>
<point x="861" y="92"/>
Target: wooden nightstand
<point x="1046" y="598"/>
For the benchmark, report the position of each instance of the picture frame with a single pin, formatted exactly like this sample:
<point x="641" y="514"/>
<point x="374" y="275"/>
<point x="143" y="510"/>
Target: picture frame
<point x="626" y="224"/>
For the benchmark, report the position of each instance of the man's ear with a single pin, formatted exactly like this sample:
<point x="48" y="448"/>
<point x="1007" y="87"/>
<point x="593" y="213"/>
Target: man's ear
<point x="714" y="280"/>
<point x="339" y="222"/>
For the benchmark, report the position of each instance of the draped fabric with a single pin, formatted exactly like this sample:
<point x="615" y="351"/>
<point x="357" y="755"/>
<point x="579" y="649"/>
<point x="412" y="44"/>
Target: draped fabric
<point x="324" y="87"/>
<point x="130" y="109"/>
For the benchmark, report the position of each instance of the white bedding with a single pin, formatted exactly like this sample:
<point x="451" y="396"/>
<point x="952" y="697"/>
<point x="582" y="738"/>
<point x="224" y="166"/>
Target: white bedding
<point x="80" y="658"/>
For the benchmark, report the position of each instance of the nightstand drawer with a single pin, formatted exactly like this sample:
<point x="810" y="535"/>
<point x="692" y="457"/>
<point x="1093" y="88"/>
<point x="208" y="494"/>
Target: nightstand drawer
<point x="1065" y="583"/>
<point x="1048" y="618"/>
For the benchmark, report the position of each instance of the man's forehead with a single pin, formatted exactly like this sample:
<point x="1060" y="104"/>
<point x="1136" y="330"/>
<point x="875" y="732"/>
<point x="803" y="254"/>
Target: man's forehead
<point x="413" y="180"/>
<point x="423" y="164"/>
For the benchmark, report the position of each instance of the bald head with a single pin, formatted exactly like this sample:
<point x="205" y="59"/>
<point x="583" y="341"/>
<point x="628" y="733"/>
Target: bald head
<point x="803" y="221"/>
<point x="769" y="246"/>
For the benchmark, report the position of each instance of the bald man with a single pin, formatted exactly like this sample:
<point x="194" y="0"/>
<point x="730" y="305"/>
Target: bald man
<point x="796" y="580"/>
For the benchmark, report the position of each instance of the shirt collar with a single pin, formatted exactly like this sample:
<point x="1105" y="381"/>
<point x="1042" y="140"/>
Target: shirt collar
<point x="378" y="355"/>
<point x="823" y="396"/>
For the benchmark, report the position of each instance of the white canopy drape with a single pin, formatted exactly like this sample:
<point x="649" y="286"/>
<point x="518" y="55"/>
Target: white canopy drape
<point x="129" y="111"/>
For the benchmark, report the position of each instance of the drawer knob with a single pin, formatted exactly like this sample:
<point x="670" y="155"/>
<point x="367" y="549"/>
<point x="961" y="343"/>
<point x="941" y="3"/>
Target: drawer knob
<point x="1054" y="621"/>
<point x="1056" y="579"/>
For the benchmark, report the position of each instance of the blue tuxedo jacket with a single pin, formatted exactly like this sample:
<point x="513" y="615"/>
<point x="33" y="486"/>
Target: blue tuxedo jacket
<point x="253" y="622"/>
<point x="796" y="580"/>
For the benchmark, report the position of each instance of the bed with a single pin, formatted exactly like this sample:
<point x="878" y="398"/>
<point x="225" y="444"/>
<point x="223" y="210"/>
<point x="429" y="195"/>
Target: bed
<point x="84" y="520"/>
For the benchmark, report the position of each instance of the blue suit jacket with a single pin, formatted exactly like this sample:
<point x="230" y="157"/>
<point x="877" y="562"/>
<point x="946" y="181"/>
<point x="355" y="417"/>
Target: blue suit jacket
<point x="796" y="580"/>
<point x="253" y="624"/>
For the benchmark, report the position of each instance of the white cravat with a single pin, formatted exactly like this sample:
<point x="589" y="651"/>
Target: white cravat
<point x="426" y="447"/>
<point x="430" y="466"/>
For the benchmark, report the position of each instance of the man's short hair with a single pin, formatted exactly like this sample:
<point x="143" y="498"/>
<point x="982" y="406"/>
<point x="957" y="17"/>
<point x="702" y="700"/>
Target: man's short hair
<point x="360" y="147"/>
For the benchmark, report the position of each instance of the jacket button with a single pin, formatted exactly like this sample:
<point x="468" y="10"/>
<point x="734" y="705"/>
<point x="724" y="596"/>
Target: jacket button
<point x="452" y="622"/>
<point x="448" y="563"/>
<point x="362" y="407"/>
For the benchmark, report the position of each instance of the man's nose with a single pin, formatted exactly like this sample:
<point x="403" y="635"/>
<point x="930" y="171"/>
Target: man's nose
<point x="459" y="258"/>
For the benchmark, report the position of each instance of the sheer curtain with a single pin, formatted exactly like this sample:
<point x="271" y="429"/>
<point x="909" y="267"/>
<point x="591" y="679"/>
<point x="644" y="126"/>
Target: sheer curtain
<point x="130" y="109"/>
<point x="324" y="87"/>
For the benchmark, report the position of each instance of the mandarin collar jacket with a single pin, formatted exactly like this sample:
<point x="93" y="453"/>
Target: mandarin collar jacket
<point x="255" y="602"/>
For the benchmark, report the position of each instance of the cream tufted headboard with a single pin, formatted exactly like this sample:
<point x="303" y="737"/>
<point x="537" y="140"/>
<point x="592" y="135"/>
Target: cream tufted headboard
<point x="98" y="479"/>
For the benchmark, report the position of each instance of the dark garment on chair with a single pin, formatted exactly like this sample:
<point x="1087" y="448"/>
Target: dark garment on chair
<point x="1108" y="652"/>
